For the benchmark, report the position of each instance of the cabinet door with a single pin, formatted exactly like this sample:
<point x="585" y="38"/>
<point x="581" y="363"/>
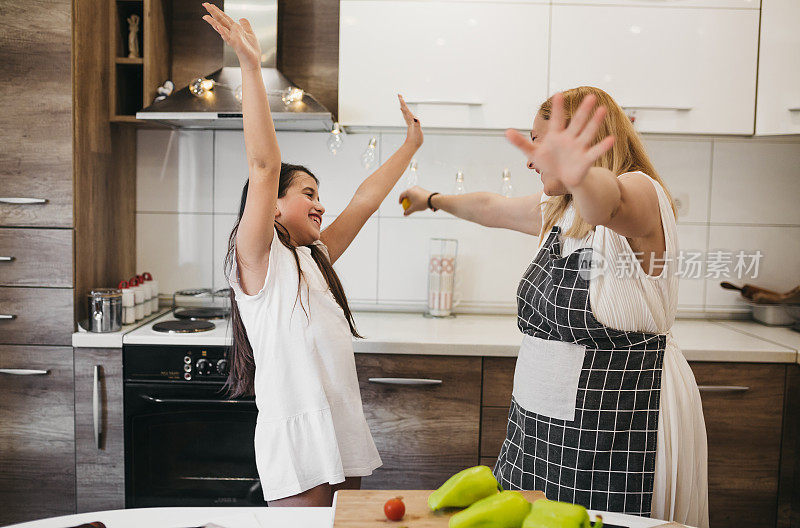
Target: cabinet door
<point x="677" y="70"/>
<point x="743" y="406"/>
<point x="778" y="110"/>
<point x="99" y="448"/>
<point x="458" y="64"/>
<point x="37" y="447"/>
<point x="498" y="381"/>
<point x="36" y="121"/>
<point x="424" y="433"/>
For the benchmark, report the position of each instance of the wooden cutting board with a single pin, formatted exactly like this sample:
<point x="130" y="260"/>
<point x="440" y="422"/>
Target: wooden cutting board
<point x="364" y="508"/>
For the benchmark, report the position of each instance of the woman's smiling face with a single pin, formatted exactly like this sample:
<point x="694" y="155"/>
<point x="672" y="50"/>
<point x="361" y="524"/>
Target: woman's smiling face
<point x="300" y="211"/>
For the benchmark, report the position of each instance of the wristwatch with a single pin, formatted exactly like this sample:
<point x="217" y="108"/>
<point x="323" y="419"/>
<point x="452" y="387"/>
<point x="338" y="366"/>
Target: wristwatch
<point x="430" y="205"/>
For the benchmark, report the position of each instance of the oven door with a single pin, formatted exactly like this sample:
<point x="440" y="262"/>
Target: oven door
<point x="186" y="445"/>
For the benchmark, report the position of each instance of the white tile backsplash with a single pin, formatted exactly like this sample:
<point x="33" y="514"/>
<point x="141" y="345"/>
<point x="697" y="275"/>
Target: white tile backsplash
<point x="481" y="159"/>
<point x="685" y="167"/>
<point x="175" y="248"/>
<point x="778" y="268"/>
<point x="174" y="171"/>
<point x="755" y="182"/>
<point x="489" y="265"/>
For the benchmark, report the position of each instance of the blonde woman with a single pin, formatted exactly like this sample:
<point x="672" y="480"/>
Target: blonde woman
<point x="605" y="410"/>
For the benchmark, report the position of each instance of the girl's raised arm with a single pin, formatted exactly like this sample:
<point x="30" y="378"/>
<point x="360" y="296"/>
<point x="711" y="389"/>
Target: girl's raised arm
<point x="254" y="236"/>
<point x="373" y="190"/>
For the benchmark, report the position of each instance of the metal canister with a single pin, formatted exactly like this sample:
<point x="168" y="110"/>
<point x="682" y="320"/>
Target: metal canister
<point x="105" y="310"/>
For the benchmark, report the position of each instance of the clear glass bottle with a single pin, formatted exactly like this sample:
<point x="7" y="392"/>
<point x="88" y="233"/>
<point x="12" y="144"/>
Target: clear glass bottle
<point x="412" y="178"/>
<point x="370" y="156"/>
<point x="336" y="139"/>
<point x="459" y="187"/>
<point x="507" y="189"/>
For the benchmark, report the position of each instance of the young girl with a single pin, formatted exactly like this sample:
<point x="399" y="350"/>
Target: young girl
<point x="605" y="410"/>
<point x="292" y="326"/>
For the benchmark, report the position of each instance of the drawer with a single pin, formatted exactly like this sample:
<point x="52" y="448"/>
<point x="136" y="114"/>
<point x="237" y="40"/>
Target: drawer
<point x="39" y="257"/>
<point x="424" y="433"/>
<point x="744" y="440"/>
<point x="498" y="381"/>
<point x="42" y="316"/>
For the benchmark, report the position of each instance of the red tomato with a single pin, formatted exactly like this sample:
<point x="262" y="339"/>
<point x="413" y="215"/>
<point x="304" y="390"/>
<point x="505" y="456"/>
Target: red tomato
<point x="394" y="509"/>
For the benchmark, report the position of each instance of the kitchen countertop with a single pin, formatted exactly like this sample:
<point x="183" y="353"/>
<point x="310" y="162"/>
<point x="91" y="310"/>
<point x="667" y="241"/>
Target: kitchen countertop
<point x="497" y="335"/>
<point x="242" y="518"/>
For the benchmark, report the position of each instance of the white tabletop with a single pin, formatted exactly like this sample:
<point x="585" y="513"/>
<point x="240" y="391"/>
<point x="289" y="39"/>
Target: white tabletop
<point x="243" y="518"/>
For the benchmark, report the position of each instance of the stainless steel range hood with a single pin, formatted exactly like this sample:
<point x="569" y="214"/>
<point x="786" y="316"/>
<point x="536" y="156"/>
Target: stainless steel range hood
<point x="219" y="108"/>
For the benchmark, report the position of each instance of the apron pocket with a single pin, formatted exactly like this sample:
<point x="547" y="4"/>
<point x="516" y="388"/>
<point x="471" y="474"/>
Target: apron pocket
<point x="546" y="377"/>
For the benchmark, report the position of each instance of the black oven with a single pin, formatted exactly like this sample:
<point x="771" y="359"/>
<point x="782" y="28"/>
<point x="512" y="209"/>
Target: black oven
<point x="186" y="444"/>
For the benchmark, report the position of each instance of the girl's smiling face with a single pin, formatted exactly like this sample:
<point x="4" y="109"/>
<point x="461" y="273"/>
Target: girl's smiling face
<point x="300" y="211"/>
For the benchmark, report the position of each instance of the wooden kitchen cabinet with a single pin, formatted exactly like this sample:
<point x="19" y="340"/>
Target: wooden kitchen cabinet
<point x="743" y="408"/>
<point x="99" y="439"/>
<point x="424" y="433"/>
<point x="37" y="442"/>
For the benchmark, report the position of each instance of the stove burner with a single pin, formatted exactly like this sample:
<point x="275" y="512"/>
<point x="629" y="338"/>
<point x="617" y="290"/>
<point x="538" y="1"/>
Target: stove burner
<point x="202" y="313"/>
<point x="183" y="327"/>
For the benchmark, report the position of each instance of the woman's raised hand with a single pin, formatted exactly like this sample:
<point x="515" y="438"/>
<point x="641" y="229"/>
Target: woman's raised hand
<point x="417" y="199"/>
<point x="414" y="133"/>
<point x="567" y="153"/>
<point x="239" y="35"/>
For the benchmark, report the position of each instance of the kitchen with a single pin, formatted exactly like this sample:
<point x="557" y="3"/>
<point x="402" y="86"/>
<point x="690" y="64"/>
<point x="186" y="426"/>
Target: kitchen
<point x="716" y="104"/>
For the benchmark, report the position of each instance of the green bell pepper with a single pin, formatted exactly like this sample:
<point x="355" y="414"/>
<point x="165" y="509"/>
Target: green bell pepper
<point x="506" y="509"/>
<point x="553" y="514"/>
<point x="464" y="488"/>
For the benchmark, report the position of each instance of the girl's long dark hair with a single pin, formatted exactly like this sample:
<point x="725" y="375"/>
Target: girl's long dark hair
<point x="241" y="363"/>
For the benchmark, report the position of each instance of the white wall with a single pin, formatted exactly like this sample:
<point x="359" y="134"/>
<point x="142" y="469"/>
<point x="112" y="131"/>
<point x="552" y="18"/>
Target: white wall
<point x="735" y="194"/>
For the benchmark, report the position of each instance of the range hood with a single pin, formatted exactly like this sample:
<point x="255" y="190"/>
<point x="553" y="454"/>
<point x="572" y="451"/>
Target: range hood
<point x="219" y="108"/>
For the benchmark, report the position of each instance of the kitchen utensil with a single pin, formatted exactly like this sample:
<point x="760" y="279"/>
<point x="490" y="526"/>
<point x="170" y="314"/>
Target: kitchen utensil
<point x="442" y="276"/>
<point x="763" y="295"/>
<point x="775" y="314"/>
<point x="364" y="508"/>
<point x="105" y="310"/>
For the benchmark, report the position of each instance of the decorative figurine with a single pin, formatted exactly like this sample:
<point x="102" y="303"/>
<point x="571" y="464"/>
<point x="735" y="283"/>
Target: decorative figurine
<point x="133" y="36"/>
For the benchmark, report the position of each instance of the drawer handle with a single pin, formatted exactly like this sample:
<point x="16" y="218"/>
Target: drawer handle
<point x="723" y="388"/>
<point x="444" y="102"/>
<point x="795" y="109"/>
<point x="96" y="405"/>
<point x="22" y="200"/>
<point x="405" y="381"/>
<point x="8" y="317"/>
<point x="657" y="107"/>
<point x="24" y="372"/>
<point x="7" y="259"/>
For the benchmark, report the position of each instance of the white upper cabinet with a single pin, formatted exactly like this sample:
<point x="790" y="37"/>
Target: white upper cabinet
<point x="459" y="64"/>
<point x="736" y="4"/>
<point x="778" y="109"/>
<point x="685" y="70"/>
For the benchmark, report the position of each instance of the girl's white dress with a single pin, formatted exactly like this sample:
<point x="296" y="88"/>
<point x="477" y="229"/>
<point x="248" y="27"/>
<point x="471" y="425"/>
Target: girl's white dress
<point x="311" y="428"/>
<point x="626" y="298"/>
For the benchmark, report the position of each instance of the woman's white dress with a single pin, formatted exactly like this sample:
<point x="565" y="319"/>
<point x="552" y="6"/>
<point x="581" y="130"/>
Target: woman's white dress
<point x="624" y="297"/>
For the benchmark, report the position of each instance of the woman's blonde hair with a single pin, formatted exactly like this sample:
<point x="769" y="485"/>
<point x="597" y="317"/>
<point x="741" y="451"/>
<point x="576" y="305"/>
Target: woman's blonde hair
<point x="626" y="155"/>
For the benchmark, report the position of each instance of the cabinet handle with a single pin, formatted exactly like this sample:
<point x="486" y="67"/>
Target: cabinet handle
<point x="405" y="381"/>
<point x="453" y="102"/>
<point x="7" y="259"/>
<point x="96" y="405"/>
<point x="795" y="109"/>
<point x="723" y="388"/>
<point x="24" y="372"/>
<point x="8" y="316"/>
<point x="657" y="107"/>
<point x="22" y="201"/>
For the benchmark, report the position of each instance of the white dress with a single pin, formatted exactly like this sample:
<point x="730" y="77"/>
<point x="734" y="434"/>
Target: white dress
<point x="311" y="428"/>
<point x="627" y="298"/>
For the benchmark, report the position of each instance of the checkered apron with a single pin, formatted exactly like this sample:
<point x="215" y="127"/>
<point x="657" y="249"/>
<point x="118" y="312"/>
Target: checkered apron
<point x="605" y="458"/>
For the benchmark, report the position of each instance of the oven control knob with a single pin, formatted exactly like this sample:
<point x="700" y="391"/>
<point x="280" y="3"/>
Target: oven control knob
<point x="222" y="366"/>
<point x="204" y="367"/>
